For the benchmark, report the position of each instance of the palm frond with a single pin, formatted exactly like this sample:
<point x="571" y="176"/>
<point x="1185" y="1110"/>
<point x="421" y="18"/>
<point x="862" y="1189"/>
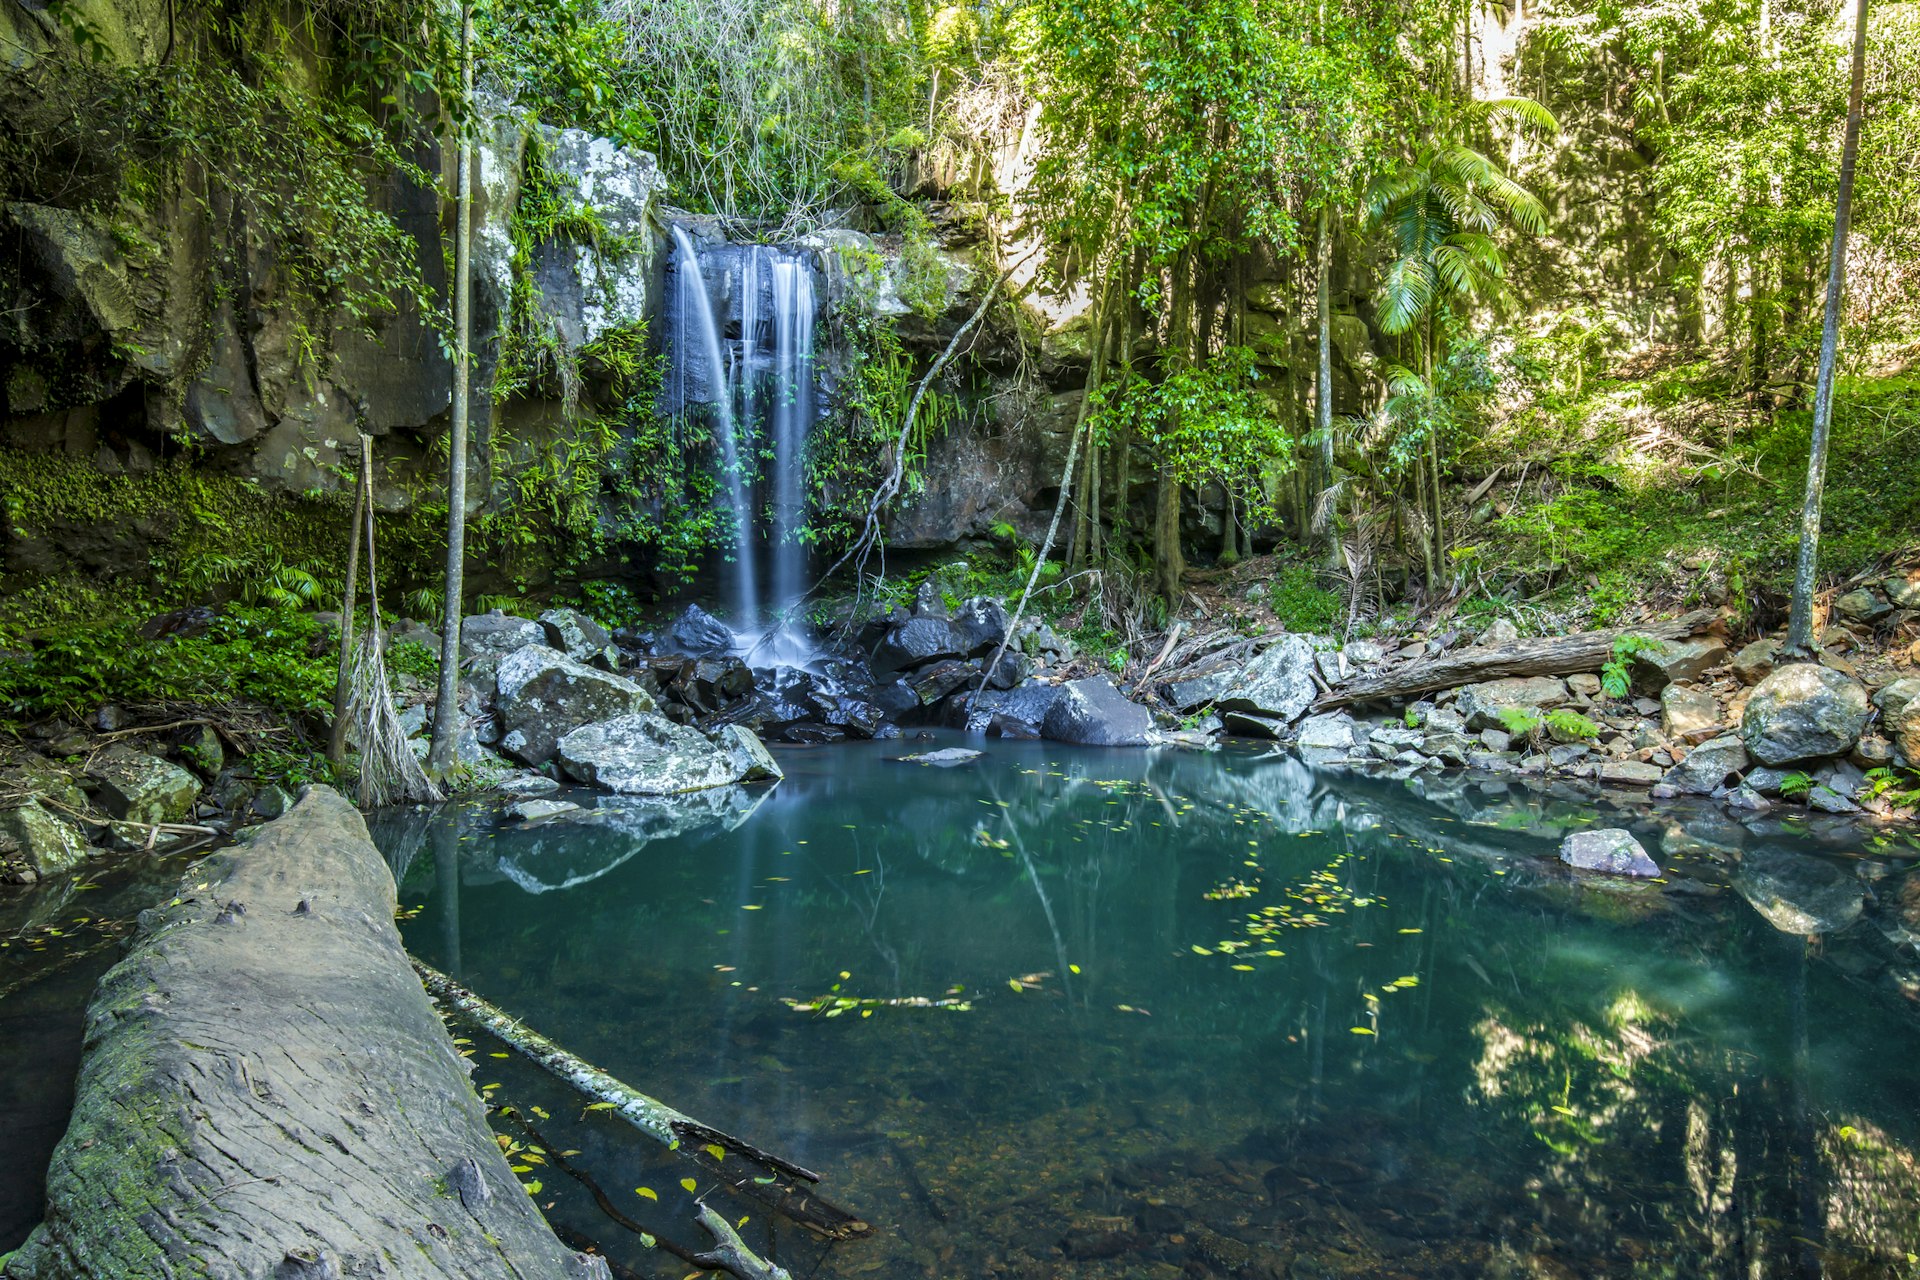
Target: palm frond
<point x="1523" y="114"/>
<point x="1405" y="291"/>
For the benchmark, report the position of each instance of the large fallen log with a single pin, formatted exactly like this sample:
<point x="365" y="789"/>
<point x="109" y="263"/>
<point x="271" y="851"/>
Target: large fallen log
<point x="1547" y="656"/>
<point x="266" y="1091"/>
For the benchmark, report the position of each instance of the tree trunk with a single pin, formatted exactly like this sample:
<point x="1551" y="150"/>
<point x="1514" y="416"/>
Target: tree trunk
<point x="1323" y="364"/>
<point x="446" y="705"/>
<point x="1169" y="562"/>
<point x="1800" y="621"/>
<point x="343" y="681"/>
<point x="1552" y="656"/>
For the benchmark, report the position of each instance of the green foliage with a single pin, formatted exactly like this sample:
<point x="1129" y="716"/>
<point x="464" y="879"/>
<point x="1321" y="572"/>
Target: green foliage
<point x="411" y="658"/>
<point x="1796" y="786"/>
<point x="566" y="62"/>
<point x="1300" y="603"/>
<point x="1615" y="673"/>
<point x="1565" y="725"/>
<point x="266" y="656"/>
<point x="183" y="534"/>
<point x="1521" y="722"/>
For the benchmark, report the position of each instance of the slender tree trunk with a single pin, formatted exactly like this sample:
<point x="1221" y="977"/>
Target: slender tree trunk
<point x="446" y="706"/>
<point x="1323" y="366"/>
<point x="342" y="684"/>
<point x="1800" y="621"/>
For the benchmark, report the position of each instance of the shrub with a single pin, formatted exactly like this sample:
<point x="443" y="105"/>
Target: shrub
<point x="1301" y="603"/>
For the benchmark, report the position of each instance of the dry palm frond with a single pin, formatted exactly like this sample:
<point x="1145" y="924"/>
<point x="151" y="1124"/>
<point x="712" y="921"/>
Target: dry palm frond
<point x="389" y="771"/>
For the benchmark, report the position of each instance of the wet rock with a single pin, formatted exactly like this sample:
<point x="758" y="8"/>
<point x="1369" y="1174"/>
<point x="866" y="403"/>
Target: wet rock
<point x="1364" y="653"/>
<point x="498" y="633"/>
<point x="49" y="844"/>
<point x="34" y="778"/>
<point x="1584" y="685"/>
<point x="535" y="810"/>
<point x="1013" y="713"/>
<point x="1709" y="765"/>
<point x="931" y="684"/>
<point x="1755" y="662"/>
<point x="1481" y="704"/>
<point x="1200" y="690"/>
<point x="1567" y="754"/>
<point x="1277" y="683"/>
<point x="1012" y="671"/>
<point x="979" y="625"/>
<point x="1685" y="710"/>
<point x="578" y="636"/>
<point x="697" y="634"/>
<point x="916" y="642"/>
<point x="647" y="754"/>
<point x="1654" y="669"/>
<point x="1333" y="731"/>
<point x="1450" y="748"/>
<point x="1745" y="798"/>
<point x="1799" y="894"/>
<point x="1834" y="787"/>
<point x="1803" y="712"/>
<point x="929" y="602"/>
<point x="945" y="758"/>
<point x="524" y="782"/>
<point x="139" y="788"/>
<point x="1608" y="850"/>
<point x="544" y="695"/>
<point x="1904" y="592"/>
<point x="750" y="757"/>
<point x="1094" y="713"/>
<point x="1635" y="773"/>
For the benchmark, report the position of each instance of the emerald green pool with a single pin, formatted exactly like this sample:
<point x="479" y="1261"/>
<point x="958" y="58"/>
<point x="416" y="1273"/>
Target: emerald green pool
<point x="1075" y="1012"/>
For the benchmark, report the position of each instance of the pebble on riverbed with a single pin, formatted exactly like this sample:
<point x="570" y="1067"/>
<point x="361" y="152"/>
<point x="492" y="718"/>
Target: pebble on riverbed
<point x="1612" y="851"/>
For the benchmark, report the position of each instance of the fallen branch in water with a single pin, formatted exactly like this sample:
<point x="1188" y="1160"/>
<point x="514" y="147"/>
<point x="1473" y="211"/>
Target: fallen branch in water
<point x="730" y="1252"/>
<point x="672" y="1129"/>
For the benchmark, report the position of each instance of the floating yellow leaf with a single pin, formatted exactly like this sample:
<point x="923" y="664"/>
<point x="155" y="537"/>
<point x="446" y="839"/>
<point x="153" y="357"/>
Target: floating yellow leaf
<point x="1015" y="984"/>
<point x="1244" y="968"/>
<point x="689" y="1184"/>
<point x="646" y="1193"/>
<point x="715" y="1150"/>
<point x="1073" y="968"/>
<point x="1200" y="950"/>
<point x="1362" y="1031"/>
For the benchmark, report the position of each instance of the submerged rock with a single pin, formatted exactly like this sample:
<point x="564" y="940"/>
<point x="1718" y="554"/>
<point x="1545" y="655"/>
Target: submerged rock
<point x="1799" y="894"/>
<point x="1610" y="850"/>
<point x="1803" y="712"/>
<point x="544" y="695"/>
<point x="1094" y="713"/>
<point x="535" y="810"/>
<point x="946" y="757"/>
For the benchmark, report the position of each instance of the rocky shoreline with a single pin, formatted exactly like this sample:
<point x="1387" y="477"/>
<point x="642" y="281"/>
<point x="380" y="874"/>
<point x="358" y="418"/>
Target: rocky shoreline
<point x="561" y="699"/>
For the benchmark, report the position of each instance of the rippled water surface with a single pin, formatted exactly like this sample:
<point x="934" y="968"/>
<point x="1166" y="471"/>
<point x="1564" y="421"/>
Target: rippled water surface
<point x="1070" y="1012"/>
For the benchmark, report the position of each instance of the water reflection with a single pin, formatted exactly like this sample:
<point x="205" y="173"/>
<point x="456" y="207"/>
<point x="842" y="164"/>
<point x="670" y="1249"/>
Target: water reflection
<point x="1140" y="1013"/>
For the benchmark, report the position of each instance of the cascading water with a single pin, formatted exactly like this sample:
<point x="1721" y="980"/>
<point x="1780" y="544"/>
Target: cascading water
<point x="792" y="416"/>
<point x="761" y="389"/>
<point x="693" y="315"/>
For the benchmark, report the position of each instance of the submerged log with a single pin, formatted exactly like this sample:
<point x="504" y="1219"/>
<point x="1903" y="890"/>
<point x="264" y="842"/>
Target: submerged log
<point x="662" y="1123"/>
<point x="266" y="1091"/>
<point x="1548" y="656"/>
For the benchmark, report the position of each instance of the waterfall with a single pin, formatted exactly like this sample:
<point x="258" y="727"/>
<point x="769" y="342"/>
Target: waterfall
<point x="792" y="417"/>
<point x="761" y="389"/>
<point x="693" y="307"/>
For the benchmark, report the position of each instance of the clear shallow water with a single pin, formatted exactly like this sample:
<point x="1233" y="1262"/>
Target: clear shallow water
<point x="1464" y="1063"/>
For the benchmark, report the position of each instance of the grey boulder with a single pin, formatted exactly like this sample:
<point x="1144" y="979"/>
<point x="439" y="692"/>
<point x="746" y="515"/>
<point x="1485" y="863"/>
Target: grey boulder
<point x="1709" y="765"/>
<point x="1482" y="703"/>
<point x="139" y="788"/>
<point x="1093" y="713"/>
<point x="649" y="755"/>
<point x="1804" y="712"/>
<point x="497" y="632"/>
<point x="544" y="695"/>
<point x="1276" y="684"/>
<point x="49" y="844"/>
<point x="578" y="636"/>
